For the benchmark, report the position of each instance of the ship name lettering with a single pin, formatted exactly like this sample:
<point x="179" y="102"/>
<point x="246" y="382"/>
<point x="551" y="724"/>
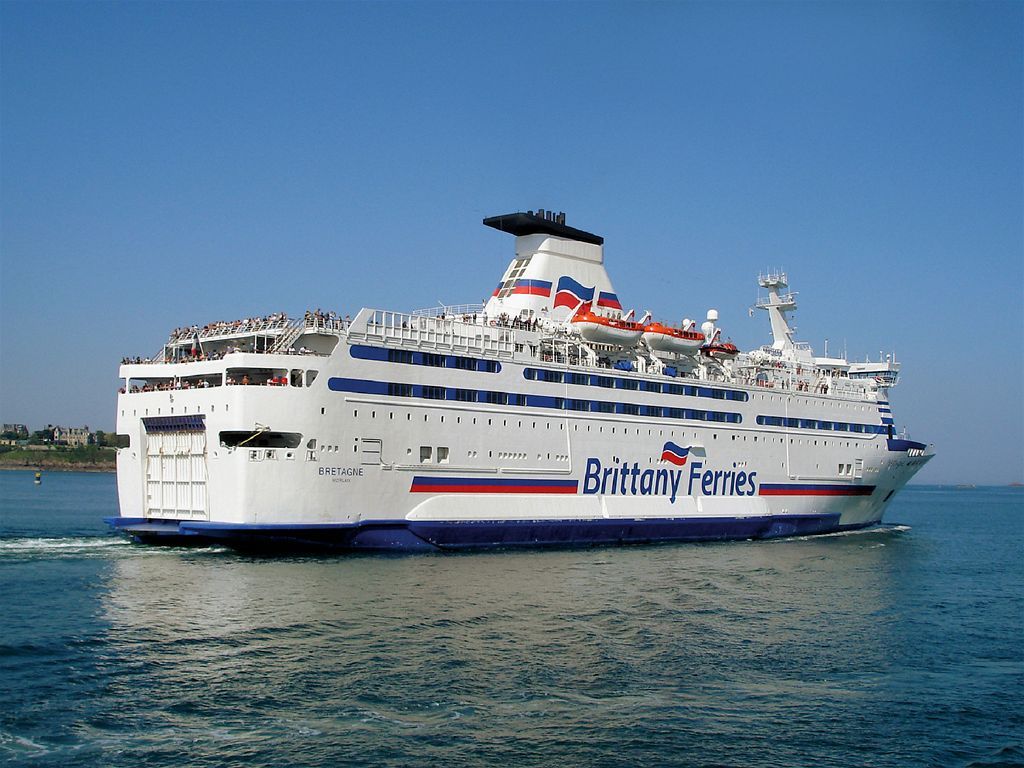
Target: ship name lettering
<point x="341" y="471"/>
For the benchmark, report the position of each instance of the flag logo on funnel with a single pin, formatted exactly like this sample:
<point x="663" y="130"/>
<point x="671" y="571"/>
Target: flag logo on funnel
<point x="673" y="454"/>
<point x="570" y="294"/>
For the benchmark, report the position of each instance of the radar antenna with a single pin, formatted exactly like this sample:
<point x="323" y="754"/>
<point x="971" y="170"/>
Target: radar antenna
<point x="778" y="302"/>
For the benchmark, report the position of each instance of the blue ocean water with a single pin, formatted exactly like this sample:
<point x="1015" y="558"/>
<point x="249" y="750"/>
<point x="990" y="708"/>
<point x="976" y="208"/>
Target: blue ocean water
<point x="900" y="646"/>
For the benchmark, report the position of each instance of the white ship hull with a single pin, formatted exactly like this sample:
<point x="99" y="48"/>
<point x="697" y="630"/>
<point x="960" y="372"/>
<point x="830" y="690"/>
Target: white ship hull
<point x="522" y="476"/>
<point x="421" y="433"/>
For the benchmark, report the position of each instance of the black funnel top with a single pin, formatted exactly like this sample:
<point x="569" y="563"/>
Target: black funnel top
<point x="531" y="223"/>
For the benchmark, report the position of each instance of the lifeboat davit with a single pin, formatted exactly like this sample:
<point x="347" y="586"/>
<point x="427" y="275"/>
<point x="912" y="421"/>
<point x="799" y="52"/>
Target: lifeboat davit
<point x="663" y="338"/>
<point x="606" y="330"/>
<point x="726" y="351"/>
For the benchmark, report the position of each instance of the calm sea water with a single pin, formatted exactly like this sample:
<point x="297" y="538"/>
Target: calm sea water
<point x="896" y="647"/>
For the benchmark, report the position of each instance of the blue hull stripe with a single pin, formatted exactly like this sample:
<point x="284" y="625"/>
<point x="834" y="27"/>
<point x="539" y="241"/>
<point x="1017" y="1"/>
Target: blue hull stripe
<point x="419" y="535"/>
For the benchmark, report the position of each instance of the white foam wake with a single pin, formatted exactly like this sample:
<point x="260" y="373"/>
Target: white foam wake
<point x="875" y="530"/>
<point x="64" y="544"/>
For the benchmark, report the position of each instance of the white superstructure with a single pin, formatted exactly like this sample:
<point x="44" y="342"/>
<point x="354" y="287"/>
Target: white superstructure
<point x="547" y="416"/>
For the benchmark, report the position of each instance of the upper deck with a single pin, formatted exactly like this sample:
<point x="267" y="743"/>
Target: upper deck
<point x="261" y="352"/>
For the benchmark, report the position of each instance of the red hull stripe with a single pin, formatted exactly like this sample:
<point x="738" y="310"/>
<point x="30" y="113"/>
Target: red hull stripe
<point x="488" y="485"/>
<point x="815" y="490"/>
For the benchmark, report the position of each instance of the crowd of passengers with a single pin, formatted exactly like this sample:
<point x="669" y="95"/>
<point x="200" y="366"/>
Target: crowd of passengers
<point x="244" y="380"/>
<point x="222" y="327"/>
<point x="199" y="356"/>
<point x="501" y="321"/>
<point x="319" y="319"/>
<point x="162" y="386"/>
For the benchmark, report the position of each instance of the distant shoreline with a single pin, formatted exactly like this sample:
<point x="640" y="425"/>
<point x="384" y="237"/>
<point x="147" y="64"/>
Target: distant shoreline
<point x="62" y="467"/>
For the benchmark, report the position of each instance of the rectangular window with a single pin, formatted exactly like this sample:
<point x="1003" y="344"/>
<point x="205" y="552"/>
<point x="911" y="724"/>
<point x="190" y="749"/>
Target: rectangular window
<point x="399" y="356"/>
<point x="442" y="454"/>
<point x="627" y="384"/>
<point x="433" y="393"/>
<point x="400" y="390"/>
<point x="437" y="361"/>
<point x="425" y="454"/>
<point x="631" y="408"/>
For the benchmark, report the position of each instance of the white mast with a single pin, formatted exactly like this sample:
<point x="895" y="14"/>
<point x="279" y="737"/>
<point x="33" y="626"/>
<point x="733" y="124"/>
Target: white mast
<point x="779" y="302"/>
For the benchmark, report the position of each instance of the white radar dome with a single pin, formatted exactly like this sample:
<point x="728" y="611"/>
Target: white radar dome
<point x="712" y="315"/>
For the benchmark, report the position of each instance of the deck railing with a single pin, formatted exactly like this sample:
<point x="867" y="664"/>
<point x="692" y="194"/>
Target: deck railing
<point x="433" y="332"/>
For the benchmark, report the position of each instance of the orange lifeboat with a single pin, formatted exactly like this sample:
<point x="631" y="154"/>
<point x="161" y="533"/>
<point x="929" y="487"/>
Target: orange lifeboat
<point x="606" y="330"/>
<point x="664" y="338"/>
<point x="726" y="351"/>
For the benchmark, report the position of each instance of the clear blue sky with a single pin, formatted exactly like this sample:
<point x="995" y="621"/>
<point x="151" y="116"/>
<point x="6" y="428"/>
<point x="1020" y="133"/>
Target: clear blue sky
<point x="164" y="164"/>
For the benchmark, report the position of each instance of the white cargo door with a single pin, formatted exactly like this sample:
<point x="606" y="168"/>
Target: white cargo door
<point x="176" y="468"/>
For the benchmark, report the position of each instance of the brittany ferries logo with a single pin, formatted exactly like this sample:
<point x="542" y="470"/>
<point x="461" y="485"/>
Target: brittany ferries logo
<point x="569" y="293"/>
<point x="673" y="454"/>
<point x="627" y="479"/>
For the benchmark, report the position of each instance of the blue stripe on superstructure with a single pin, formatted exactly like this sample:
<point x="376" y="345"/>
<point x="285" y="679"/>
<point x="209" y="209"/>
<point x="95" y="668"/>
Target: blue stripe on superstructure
<point x="542" y="284"/>
<point x="886" y="420"/>
<point x="361" y="386"/>
<point x="466" y="395"/>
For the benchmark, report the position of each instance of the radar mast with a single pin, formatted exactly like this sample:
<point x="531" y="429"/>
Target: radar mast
<point x="778" y="302"/>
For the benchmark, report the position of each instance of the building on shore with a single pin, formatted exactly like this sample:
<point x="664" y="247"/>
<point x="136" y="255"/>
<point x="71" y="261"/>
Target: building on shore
<point x="76" y="437"/>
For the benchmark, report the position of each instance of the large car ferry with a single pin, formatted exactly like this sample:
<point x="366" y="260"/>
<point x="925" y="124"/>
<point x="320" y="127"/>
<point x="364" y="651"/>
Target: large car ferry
<point x="547" y="416"/>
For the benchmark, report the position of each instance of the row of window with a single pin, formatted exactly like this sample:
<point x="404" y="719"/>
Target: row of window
<point x="431" y="359"/>
<point x="832" y="426"/>
<point x="641" y="385"/>
<point x="394" y="389"/>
